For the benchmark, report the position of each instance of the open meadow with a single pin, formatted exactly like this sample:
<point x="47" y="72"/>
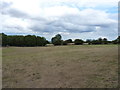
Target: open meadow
<point x="71" y="66"/>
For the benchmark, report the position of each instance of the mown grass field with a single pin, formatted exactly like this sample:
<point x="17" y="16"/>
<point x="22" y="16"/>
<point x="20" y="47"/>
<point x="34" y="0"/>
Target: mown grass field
<point x="80" y="66"/>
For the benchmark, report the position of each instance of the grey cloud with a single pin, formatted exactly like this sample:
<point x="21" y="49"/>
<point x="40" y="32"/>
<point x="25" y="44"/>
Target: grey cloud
<point x="7" y="10"/>
<point x="67" y="23"/>
<point x="61" y="28"/>
<point x="70" y="24"/>
<point x="15" y="13"/>
<point x="86" y="21"/>
<point x="45" y="28"/>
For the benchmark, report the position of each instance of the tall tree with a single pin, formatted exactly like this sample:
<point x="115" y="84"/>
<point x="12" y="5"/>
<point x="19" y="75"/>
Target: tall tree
<point x="57" y="40"/>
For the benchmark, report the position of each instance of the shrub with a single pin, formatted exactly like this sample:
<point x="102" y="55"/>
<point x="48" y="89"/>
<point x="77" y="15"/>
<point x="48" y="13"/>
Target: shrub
<point x="69" y="41"/>
<point x="78" y="42"/>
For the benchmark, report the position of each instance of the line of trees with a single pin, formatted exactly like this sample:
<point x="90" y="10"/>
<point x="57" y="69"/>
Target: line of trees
<point x="57" y="40"/>
<point x="32" y="40"/>
<point x="19" y="40"/>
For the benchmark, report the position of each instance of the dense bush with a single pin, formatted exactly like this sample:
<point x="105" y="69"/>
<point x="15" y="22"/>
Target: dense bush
<point x="78" y="42"/>
<point x="69" y="41"/>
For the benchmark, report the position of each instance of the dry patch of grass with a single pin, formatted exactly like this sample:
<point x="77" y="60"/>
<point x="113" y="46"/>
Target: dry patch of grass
<point x="82" y="66"/>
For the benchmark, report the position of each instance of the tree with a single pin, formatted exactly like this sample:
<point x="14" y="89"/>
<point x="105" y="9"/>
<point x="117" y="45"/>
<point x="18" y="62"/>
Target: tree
<point x="99" y="41"/>
<point x="105" y="41"/>
<point x="19" y="40"/>
<point x="57" y="40"/>
<point x="64" y="42"/>
<point x="78" y="41"/>
<point x="10" y="40"/>
<point x="4" y="39"/>
<point x="69" y="41"/>
<point x="15" y="40"/>
<point x="58" y="36"/>
<point x="30" y="40"/>
<point x="115" y="41"/>
<point x="47" y="42"/>
<point x="0" y="39"/>
<point x="118" y="39"/>
<point x="89" y="41"/>
<point x="95" y="42"/>
<point x="38" y="41"/>
<point x="42" y="41"/>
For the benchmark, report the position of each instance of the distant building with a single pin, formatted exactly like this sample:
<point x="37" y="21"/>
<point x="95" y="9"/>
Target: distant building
<point x="85" y="43"/>
<point x="70" y="44"/>
<point x="49" y="45"/>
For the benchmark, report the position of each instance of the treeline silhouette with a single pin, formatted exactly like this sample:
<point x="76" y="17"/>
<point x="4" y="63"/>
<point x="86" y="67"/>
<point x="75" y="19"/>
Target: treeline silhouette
<point x="57" y="40"/>
<point x="32" y="40"/>
<point x="19" y="40"/>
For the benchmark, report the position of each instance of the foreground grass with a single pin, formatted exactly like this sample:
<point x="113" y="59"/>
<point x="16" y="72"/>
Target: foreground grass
<point x="82" y="66"/>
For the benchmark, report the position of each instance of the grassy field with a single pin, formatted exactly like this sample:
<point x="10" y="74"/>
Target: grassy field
<point x="82" y="66"/>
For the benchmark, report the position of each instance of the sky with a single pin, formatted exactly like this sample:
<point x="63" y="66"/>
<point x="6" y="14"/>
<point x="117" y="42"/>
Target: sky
<point x="73" y="19"/>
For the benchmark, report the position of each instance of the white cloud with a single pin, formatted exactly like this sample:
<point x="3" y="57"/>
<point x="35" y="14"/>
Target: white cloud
<point x="59" y="11"/>
<point x="71" y="18"/>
